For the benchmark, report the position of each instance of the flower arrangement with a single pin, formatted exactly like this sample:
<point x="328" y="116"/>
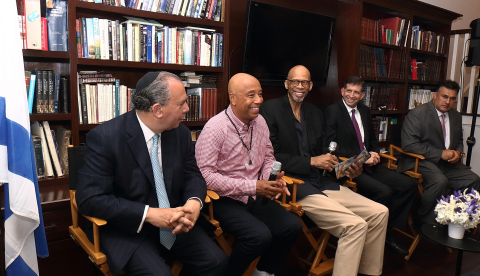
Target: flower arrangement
<point x="459" y="208"/>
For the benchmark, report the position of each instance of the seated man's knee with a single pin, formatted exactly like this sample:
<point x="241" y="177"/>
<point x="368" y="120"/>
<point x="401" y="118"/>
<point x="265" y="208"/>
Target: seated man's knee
<point x="217" y="262"/>
<point x="355" y="226"/>
<point x="258" y="240"/>
<point x="292" y="227"/>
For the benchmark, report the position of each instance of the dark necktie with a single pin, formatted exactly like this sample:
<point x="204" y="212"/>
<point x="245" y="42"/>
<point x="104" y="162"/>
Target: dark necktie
<point x="359" y="137"/>
<point x="442" y="120"/>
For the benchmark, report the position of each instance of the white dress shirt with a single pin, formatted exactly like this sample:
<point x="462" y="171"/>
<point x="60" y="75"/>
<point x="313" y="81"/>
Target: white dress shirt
<point x="148" y="133"/>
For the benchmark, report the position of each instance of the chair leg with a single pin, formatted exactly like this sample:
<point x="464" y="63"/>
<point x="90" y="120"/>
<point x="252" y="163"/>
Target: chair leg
<point x="251" y="267"/>
<point x="176" y="268"/>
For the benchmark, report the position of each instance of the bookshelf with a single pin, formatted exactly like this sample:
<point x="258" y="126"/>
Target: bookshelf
<point x="54" y="191"/>
<point x="430" y="19"/>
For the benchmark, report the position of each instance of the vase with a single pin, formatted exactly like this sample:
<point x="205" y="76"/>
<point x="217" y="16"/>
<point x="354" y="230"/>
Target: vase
<point x="456" y="231"/>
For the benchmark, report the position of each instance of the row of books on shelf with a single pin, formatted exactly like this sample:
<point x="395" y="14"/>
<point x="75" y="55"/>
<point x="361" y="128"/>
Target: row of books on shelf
<point x="381" y="96"/>
<point x="101" y="97"/>
<point x="47" y="92"/>
<point x="202" y="102"/>
<point x="381" y="63"/>
<point x="43" y="25"/>
<point x="50" y="149"/>
<point x="417" y="97"/>
<point x="428" y="70"/>
<point x="391" y="31"/>
<point x="144" y="40"/>
<point x="205" y="9"/>
<point x="426" y="40"/>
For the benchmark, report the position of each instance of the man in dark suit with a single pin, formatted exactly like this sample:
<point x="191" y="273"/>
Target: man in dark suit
<point x="296" y="132"/>
<point x="434" y="130"/>
<point x="349" y="123"/>
<point x="140" y="175"/>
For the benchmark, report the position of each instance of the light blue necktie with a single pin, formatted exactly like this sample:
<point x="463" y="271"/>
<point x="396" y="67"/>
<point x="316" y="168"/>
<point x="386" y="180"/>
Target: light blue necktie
<point x="166" y="237"/>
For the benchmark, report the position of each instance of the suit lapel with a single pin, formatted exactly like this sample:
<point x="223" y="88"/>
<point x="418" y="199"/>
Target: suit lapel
<point x="289" y="121"/>
<point x="168" y="156"/>
<point x="436" y="121"/>
<point x="365" y="120"/>
<point x="138" y="146"/>
<point x="346" y="118"/>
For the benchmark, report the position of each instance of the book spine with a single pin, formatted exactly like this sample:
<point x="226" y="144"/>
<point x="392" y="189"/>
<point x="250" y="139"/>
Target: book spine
<point x="51" y="92"/>
<point x="79" y="39"/>
<point x="38" y="153"/>
<point x="44" y="34"/>
<point x="31" y="92"/>
<point x="33" y="24"/>
<point x="56" y="93"/>
<point x="64" y="95"/>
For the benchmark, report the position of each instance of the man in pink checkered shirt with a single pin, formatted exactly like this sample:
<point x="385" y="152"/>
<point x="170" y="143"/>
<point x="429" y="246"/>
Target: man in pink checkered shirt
<point x="235" y="155"/>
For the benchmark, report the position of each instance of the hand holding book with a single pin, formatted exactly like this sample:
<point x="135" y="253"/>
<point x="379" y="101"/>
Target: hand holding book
<point x="342" y="167"/>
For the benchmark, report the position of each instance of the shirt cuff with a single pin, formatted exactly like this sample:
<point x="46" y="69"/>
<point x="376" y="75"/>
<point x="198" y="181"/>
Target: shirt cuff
<point x="143" y="219"/>
<point x="201" y="203"/>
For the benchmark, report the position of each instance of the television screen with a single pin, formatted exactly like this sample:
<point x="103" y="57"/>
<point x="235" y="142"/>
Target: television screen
<point x="277" y="38"/>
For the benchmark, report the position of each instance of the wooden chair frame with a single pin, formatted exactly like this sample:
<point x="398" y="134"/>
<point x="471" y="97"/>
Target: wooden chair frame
<point x="415" y="236"/>
<point x="93" y="250"/>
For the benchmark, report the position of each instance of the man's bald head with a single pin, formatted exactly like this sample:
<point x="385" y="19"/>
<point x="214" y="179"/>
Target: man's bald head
<point x="239" y="82"/>
<point x="299" y="69"/>
<point x="245" y="94"/>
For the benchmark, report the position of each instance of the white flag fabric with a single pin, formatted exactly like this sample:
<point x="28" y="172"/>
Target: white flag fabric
<point x="24" y="231"/>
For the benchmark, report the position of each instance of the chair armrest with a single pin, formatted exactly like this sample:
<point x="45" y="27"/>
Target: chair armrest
<point x="387" y="156"/>
<point x="292" y="205"/>
<point x="407" y="153"/>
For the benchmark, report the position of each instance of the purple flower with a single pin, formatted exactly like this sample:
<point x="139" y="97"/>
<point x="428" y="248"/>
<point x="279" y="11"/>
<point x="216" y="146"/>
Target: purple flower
<point x="456" y="194"/>
<point x="458" y="209"/>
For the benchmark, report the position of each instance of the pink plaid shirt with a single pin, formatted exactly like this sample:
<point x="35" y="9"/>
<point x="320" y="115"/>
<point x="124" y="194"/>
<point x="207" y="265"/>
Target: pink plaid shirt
<point x="223" y="160"/>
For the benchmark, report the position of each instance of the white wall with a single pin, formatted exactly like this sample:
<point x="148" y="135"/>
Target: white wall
<point x="470" y="9"/>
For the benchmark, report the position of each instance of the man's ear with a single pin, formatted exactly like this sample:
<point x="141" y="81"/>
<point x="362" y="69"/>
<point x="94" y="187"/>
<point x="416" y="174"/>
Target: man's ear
<point x="286" y="84"/>
<point x="157" y="110"/>
<point x="311" y="86"/>
<point x="231" y="96"/>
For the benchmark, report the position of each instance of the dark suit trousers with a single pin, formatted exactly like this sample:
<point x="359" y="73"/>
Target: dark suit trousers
<point x="195" y="250"/>
<point x="395" y="191"/>
<point x="437" y="179"/>
<point x="266" y="230"/>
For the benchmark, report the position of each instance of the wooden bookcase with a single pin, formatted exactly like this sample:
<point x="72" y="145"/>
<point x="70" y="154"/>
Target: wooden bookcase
<point x="428" y="17"/>
<point x="54" y="192"/>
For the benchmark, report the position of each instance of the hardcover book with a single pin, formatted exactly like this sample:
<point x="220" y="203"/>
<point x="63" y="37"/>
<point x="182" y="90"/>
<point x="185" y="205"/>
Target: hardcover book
<point x="57" y="22"/>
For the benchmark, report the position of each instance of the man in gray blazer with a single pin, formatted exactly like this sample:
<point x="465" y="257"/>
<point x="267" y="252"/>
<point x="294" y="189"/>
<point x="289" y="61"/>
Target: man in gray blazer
<point x="434" y="130"/>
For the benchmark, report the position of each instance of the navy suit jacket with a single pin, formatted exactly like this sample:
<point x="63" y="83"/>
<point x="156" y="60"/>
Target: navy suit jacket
<point x="339" y="128"/>
<point x="117" y="181"/>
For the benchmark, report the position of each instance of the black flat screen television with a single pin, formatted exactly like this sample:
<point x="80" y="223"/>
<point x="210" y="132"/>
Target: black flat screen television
<point x="277" y="38"/>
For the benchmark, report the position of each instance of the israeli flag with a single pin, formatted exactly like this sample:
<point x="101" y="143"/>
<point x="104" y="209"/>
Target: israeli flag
<point x="24" y="231"/>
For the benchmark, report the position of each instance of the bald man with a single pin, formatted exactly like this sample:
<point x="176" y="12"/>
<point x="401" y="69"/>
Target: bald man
<point x="235" y="157"/>
<point x="297" y="136"/>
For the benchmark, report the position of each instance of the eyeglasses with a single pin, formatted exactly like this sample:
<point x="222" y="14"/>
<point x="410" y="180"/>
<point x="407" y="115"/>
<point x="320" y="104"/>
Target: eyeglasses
<point x="297" y="82"/>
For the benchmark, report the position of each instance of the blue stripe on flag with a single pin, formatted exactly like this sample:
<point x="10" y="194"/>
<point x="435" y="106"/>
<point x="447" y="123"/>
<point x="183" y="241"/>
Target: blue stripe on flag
<point x="19" y="267"/>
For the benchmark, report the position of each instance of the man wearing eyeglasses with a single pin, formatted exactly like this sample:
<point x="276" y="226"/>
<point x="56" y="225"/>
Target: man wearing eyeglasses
<point x="296" y="133"/>
<point x="349" y="123"/>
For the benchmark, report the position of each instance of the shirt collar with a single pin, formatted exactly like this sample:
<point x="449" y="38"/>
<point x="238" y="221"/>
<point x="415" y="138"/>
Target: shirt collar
<point x="349" y="109"/>
<point x="441" y="113"/>
<point x="148" y="133"/>
<point x="238" y="123"/>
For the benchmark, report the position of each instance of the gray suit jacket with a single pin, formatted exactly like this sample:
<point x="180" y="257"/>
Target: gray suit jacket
<point x="422" y="134"/>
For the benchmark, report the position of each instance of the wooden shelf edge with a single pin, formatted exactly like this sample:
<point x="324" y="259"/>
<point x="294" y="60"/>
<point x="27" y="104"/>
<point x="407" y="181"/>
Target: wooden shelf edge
<point x="382" y="45"/>
<point x="147" y="65"/>
<point x="424" y="82"/>
<point x="369" y="79"/>
<point x="398" y="111"/>
<point x="154" y="15"/>
<point x="53" y="181"/>
<point x="51" y="117"/>
<point x="87" y="127"/>
<point x="28" y="53"/>
<point x="415" y="51"/>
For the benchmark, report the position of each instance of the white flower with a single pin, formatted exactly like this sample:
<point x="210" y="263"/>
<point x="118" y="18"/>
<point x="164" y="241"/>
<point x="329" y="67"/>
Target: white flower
<point x="459" y="208"/>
